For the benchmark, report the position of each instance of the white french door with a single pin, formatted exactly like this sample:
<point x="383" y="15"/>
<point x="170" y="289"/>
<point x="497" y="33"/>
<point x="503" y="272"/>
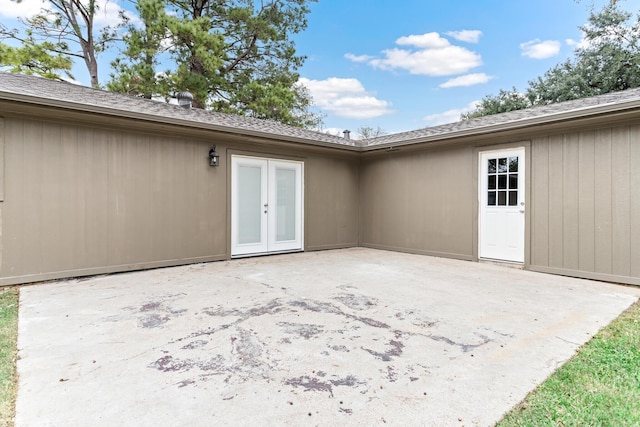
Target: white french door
<point x="266" y="205"/>
<point x="502" y="197"/>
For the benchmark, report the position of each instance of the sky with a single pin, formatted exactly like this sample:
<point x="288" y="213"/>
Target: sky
<point x="408" y="64"/>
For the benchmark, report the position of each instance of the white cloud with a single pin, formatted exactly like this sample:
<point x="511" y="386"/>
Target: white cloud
<point x="431" y="62"/>
<point x="424" y="41"/>
<point x="469" y="36"/>
<point x="427" y="54"/>
<point x="466" y="80"/>
<point x="346" y="98"/>
<point x="583" y="43"/>
<point x="449" y="116"/>
<point x="108" y="12"/>
<point x="538" y="49"/>
<point x="24" y="9"/>
<point x="357" y="58"/>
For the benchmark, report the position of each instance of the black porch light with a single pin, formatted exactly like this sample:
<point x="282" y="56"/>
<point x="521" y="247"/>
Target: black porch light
<point x="214" y="158"/>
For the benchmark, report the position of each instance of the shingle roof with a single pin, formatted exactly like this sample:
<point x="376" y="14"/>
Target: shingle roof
<point x="80" y="97"/>
<point x="547" y="112"/>
<point x="85" y="96"/>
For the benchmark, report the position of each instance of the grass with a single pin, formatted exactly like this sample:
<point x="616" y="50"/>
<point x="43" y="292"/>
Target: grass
<point x="599" y="386"/>
<point x="8" y="350"/>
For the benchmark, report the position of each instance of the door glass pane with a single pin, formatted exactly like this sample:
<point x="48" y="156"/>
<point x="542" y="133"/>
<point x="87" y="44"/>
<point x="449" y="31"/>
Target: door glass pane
<point x="513" y="198"/>
<point x="502" y="198"/>
<point x="492" y="182"/>
<point x="502" y="182"/>
<point x="491" y="198"/>
<point x="513" y="181"/>
<point x="492" y="165"/>
<point x="286" y="209"/>
<point x="502" y="165"/>
<point x="513" y="164"/>
<point x="249" y="204"/>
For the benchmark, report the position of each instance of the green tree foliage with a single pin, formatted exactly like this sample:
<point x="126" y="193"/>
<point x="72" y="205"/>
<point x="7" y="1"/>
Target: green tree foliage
<point x="35" y="58"/>
<point x="504" y="101"/>
<point x="135" y="71"/>
<point x="610" y="61"/>
<point x="65" y="29"/>
<point x="234" y="56"/>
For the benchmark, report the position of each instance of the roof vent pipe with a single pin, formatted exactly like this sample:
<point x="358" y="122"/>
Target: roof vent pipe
<point x="347" y="134"/>
<point x="184" y="99"/>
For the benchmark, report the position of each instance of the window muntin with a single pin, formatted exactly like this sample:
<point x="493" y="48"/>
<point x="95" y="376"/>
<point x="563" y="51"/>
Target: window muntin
<point x="502" y="181"/>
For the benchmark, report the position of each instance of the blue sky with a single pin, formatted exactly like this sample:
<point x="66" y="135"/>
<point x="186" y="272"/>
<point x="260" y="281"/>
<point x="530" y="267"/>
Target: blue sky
<point x="402" y="65"/>
<point x="408" y="64"/>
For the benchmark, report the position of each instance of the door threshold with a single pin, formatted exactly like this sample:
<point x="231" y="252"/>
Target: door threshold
<point x="266" y="253"/>
<point x="503" y="263"/>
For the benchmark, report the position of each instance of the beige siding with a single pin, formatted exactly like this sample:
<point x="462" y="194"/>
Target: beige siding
<point x="602" y="207"/>
<point x="2" y="133"/>
<point x="83" y="200"/>
<point x="585" y="218"/>
<point x="421" y="201"/>
<point x="586" y="194"/>
<point x="539" y="211"/>
<point x="78" y="200"/>
<point x="634" y="210"/>
<point x="331" y="202"/>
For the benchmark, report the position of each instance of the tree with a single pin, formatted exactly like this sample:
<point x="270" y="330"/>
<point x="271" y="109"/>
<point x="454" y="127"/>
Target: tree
<point x="367" y="132"/>
<point x="233" y="56"/>
<point x="35" y="58"/>
<point x="67" y="30"/>
<point x="135" y="70"/>
<point x="504" y="101"/>
<point x="609" y="62"/>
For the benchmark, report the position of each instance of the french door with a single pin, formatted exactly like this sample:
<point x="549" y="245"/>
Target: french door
<point x="502" y="227"/>
<point x="266" y="205"/>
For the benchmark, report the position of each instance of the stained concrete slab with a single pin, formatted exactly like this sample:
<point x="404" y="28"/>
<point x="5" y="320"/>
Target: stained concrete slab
<point x="343" y="337"/>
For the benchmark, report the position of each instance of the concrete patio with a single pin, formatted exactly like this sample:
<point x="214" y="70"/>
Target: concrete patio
<point x="342" y="337"/>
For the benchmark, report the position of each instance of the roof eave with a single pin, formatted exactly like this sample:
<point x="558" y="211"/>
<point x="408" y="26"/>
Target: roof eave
<point x="579" y="113"/>
<point x="96" y="109"/>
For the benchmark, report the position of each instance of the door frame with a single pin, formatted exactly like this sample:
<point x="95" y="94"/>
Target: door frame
<point x="269" y="221"/>
<point x="477" y="152"/>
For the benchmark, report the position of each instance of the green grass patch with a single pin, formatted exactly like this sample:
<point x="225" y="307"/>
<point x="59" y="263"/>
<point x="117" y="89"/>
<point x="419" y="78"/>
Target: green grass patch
<point x="599" y="386"/>
<point x="8" y="351"/>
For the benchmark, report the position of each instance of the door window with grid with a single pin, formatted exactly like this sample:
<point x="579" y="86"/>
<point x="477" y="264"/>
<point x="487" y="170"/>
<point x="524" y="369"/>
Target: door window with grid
<point x="502" y="181"/>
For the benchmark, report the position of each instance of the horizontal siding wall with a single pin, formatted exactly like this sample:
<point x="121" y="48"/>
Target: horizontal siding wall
<point x="85" y="200"/>
<point x="420" y="202"/>
<point x="585" y="218"/>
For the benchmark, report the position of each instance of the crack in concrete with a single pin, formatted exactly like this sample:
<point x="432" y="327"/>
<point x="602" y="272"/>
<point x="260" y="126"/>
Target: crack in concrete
<point x="464" y="347"/>
<point x="322" y="307"/>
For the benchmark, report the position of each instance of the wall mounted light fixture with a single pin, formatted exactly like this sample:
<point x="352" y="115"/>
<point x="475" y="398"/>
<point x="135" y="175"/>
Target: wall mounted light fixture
<point x="214" y="158"/>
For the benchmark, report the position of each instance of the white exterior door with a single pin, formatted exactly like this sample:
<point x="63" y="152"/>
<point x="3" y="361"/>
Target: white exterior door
<point x="266" y="205"/>
<point x="501" y="228"/>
